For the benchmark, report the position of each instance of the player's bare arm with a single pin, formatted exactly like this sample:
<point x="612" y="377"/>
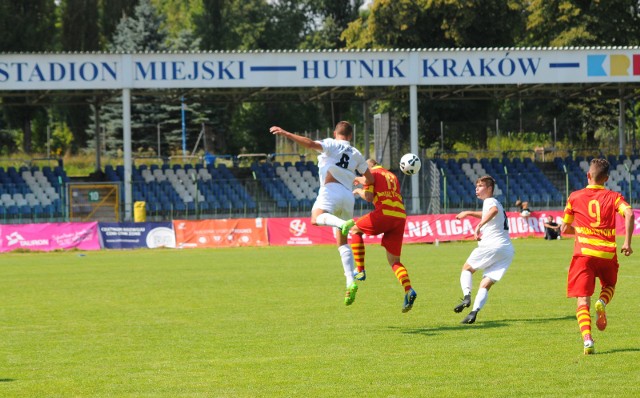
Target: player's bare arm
<point x="468" y="213"/>
<point x="360" y="180"/>
<point x="567" y="229"/>
<point x="298" y="139"/>
<point x="493" y="211"/>
<point x="365" y="195"/>
<point x="368" y="178"/>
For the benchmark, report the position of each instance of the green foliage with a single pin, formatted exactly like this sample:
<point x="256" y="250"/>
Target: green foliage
<point x="142" y="32"/>
<point x="251" y="123"/>
<point x="61" y="139"/>
<point x="27" y="25"/>
<point x="111" y="13"/>
<point x="227" y="25"/>
<point x="218" y="24"/>
<point x="178" y="323"/>
<point x="79" y="30"/>
<point x="11" y="140"/>
<point x="178" y="15"/>
<point x="582" y="23"/>
<point x="334" y="17"/>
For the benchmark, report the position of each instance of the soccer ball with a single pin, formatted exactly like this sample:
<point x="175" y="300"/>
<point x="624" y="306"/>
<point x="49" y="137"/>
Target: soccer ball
<point x="410" y="164"/>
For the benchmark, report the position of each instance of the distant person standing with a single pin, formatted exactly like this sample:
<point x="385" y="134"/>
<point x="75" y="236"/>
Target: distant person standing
<point x="590" y="215"/>
<point x="494" y="253"/>
<point x="338" y="163"/>
<point x="551" y="229"/>
<point x="388" y="218"/>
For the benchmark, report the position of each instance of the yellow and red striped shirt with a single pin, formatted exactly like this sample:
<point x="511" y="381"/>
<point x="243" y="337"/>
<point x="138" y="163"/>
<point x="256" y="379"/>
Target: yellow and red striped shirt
<point x="386" y="193"/>
<point x="592" y="212"/>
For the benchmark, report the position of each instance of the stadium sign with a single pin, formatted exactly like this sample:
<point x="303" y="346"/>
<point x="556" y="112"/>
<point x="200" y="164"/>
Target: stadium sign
<point x="317" y="69"/>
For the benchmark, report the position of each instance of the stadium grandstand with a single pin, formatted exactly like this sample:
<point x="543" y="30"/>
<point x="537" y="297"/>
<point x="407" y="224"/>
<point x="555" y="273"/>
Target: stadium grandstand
<point x="228" y="188"/>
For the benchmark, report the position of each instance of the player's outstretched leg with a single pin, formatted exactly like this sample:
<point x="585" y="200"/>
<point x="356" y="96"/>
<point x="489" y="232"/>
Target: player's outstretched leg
<point x="466" y="279"/>
<point x="409" y="298"/>
<point x="403" y="277"/>
<point x="350" y="296"/>
<point x="465" y="303"/>
<point x="346" y="227"/>
<point x="357" y="246"/>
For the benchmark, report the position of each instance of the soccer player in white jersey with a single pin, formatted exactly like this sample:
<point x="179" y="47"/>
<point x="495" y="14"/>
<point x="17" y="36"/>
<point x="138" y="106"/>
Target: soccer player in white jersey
<point x="338" y="162"/>
<point x="494" y="252"/>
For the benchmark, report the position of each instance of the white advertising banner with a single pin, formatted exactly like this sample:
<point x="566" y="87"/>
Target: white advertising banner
<point x="318" y="68"/>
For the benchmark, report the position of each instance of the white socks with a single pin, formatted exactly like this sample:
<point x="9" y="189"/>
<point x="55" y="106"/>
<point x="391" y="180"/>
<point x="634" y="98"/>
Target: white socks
<point x="346" y="255"/>
<point x="481" y="299"/>
<point x="466" y="280"/>
<point x="329" y="220"/>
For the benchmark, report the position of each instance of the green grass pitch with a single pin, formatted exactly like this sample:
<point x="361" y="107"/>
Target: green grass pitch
<point x="270" y="322"/>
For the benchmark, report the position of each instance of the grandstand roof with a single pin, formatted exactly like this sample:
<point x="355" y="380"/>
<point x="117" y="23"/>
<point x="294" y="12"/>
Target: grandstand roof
<point x="465" y="89"/>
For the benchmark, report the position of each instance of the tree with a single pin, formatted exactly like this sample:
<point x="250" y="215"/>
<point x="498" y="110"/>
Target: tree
<point x="237" y="24"/>
<point x="80" y="31"/>
<point x="26" y="27"/>
<point x="111" y="13"/>
<point x="441" y="24"/>
<point x="178" y="15"/>
<point x="559" y="23"/>
<point x="142" y="32"/>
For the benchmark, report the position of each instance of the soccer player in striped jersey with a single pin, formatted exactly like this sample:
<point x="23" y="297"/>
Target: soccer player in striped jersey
<point x="387" y="218"/>
<point x="494" y="253"/>
<point x="590" y="215"/>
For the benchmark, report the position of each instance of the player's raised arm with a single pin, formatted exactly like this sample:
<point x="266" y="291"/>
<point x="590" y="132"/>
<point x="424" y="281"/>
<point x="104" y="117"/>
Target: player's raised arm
<point x="468" y="213"/>
<point x="298" y="139"/>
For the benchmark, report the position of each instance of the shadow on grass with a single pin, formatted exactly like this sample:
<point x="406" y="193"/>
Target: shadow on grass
<point x="6" y="380"/>
<point x="480" y="325"/>
<point x="617" y="350"/>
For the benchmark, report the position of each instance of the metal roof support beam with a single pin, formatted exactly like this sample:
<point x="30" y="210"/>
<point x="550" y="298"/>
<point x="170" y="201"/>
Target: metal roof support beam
<point x="126" y="143"/>
<point x="413" y="119"/>
<point x="621" y="122"/>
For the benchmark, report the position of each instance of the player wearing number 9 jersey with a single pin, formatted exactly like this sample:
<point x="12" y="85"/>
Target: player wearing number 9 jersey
<point x="494" y="253"/>
<point x="590" y="214"/>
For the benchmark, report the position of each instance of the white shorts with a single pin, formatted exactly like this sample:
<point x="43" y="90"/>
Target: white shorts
<point x="493" y="261"/>
<point x="336" y="199"/>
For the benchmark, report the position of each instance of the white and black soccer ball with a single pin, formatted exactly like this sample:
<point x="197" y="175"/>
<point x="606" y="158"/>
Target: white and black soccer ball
<point x="410" y="164"/>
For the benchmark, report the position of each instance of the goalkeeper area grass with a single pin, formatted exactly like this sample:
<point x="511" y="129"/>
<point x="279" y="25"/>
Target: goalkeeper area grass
<point x="271" y="322"/>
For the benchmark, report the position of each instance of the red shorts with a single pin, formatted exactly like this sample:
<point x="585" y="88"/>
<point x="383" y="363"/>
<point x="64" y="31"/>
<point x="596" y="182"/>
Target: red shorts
<point x="583" y="271"/>
<point x="376" y="223"/>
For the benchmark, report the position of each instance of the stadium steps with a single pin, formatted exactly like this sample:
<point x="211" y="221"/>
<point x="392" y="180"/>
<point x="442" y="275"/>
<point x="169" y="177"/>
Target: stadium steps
<point x="550" y="170"/>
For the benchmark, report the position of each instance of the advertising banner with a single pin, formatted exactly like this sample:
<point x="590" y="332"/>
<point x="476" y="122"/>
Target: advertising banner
<point x="49" y="236"/>
<point x="221" y="233"/>
<point x="132" y="235"/>
<point x="636" y="227"/>
<point x="298" y="232"/>
<point x="419" y="229"/>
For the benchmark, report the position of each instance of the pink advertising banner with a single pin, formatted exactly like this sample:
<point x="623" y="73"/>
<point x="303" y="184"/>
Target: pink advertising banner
<point x="636" y="227"/>
<point x="419" y="229"/>
<point x="49" y="236"/>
